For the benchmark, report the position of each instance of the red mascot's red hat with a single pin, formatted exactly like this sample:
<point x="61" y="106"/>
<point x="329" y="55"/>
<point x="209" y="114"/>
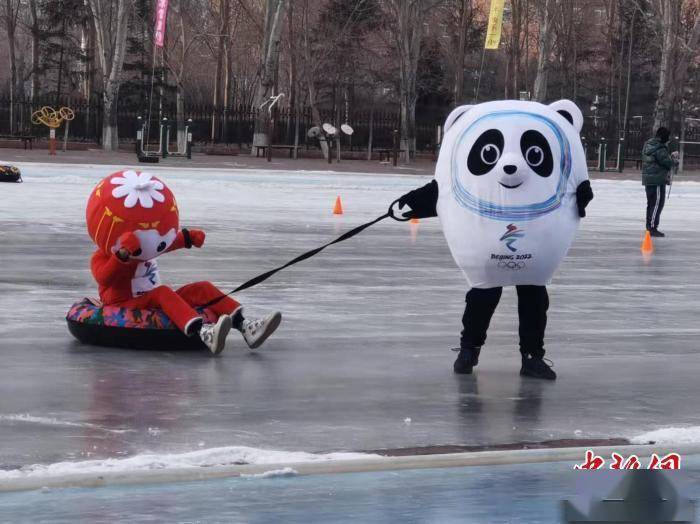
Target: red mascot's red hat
<point x="130" y="201"/>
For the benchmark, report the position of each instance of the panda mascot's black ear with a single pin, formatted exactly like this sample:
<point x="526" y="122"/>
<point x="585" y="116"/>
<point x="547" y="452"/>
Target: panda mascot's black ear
<point x="570" y="111"/>
<point x="454" y="116"/>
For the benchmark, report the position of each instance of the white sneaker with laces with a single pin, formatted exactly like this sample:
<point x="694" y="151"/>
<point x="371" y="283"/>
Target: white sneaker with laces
<point x="255" y="332"/>
<point x="214" y="335"/>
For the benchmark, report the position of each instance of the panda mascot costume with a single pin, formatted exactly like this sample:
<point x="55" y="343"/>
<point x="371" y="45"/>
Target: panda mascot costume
<point x="133" y="218"/>
<point x="510" y="186"/>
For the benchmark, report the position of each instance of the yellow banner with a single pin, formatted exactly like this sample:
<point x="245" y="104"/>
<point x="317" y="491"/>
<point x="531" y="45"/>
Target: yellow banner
<point x="493" y="36"/>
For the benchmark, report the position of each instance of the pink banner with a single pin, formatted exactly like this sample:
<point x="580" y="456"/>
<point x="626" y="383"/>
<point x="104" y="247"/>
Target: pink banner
<point x="161" y="17"/>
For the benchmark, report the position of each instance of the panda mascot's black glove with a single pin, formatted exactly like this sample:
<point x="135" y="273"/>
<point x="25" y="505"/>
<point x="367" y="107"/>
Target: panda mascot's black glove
<point x="422" y="201"/>
<point x="584" y="194"/>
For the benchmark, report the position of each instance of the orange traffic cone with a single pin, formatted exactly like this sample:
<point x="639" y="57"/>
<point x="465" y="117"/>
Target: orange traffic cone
<point x="647" y="245"/>
<point x="338" y="208"/>
<point x="415" y="221"/>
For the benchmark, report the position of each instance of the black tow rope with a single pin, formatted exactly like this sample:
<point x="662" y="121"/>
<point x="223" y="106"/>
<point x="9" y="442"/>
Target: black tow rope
<point x="349" y="234"/>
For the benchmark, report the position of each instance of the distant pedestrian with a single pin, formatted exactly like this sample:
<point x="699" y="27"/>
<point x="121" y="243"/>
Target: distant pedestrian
<point x="656" y="175"/>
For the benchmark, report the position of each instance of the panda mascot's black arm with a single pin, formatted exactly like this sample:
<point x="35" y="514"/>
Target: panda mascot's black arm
<point x="422" y="201"/>
<point x="584" y="194"/>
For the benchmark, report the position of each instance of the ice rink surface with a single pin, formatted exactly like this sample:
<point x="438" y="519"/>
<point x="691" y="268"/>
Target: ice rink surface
<point x="362" y="360"/>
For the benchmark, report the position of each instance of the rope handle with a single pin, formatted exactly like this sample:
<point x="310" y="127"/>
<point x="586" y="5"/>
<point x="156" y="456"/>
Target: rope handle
<point x="392" y="214"/>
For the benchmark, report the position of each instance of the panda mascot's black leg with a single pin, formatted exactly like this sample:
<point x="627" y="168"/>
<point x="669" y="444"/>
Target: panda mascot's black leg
<point x="533" y="303"/>
<point x="480" y="306"/>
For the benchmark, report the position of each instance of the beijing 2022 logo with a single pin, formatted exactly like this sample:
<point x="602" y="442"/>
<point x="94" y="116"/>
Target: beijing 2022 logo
<point x="511" y="235"/>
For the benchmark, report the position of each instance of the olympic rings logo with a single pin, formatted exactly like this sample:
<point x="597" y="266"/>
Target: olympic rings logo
<point x="52" y="118"/>
<point x="511" y="264"/>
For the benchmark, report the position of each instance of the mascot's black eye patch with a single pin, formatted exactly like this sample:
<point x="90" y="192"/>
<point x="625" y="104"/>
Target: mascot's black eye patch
<point x="485" y="152"/>
<point x="537" y="153"/>
<point x="161" y="247"/>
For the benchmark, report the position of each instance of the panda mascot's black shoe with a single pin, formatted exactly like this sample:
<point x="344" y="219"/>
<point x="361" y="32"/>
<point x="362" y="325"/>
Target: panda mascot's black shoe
<point x="466" y="360"/>
<point x="536" y="367"/>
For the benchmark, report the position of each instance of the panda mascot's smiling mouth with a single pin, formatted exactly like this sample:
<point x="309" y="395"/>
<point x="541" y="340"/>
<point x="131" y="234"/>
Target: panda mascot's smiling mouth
<point x="511" y="187"/>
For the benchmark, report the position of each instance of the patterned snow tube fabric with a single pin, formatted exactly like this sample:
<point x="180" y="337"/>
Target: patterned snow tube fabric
<point x="129" y="328"/>
<point x="10" y="174"/>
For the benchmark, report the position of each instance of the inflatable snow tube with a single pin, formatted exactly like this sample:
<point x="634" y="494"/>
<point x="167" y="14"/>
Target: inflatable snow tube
<point x="115" y="326"/>
<point x="10" y="174"/>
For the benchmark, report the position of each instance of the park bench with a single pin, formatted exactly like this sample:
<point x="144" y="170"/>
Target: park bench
<point x="291" y="149"/>
<point x="26" y="139"/>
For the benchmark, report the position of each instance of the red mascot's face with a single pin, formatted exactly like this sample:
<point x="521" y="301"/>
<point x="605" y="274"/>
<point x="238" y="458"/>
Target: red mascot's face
<point x="137" y="202"/>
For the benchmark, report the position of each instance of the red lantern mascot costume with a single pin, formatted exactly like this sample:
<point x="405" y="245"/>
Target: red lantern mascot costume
<point x="133" y="218"/>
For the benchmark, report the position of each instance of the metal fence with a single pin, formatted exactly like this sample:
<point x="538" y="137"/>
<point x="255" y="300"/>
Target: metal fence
<point x="234" y="126"/>
<point x="227" y="125"/>
<point x="605" y="152"/>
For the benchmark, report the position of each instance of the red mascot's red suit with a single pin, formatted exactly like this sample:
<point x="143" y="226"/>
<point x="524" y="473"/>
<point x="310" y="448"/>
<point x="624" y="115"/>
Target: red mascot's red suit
<point x="133" y="218"/>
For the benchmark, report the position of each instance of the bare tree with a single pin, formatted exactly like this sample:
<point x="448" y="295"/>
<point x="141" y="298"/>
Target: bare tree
<point x="310" y="65"/>
<point x="545" y="9"/>
<point x="518" y="19"/>
<point x="460" y="18"/>
<point x="35" y="29"/>
<point x="678" y="49"/>
<point x="458" y="89"/>
<point x="9" y="15"/>
<point x="181" y="43"/>
<point x="269" y="64"/>
<point x="111" y="20"/>
<point x="221" y="54"/>
<point x="409" y="16"/>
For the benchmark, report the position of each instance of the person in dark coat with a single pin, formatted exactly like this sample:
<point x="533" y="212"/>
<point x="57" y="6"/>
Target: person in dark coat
<point x="656" y="170"/>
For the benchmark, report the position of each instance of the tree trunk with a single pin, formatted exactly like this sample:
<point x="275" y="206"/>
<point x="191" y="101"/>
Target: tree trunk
<point x="11" y="10"/>
<point x="370" y="138"/>
<point x="180" y="117"/>
<point x="310" y="76"/>
<point x="226" y="91"/>
<point x="625" y="118"/>
<point x="516" y="16"/>
<point x="458" y="88"/>
<point x="86" y="81"/>
<point x="527" y="45"/>
<point x="574" y="45"/>
<point x="544" y="50"/>
<point x="676" y="56"/>
<point x="410" y="29"/>
<point x="36" y="35"/>
<point x="110" y="37"/>
<point x="59" y="81"/>
<point x="665" y="95"/>
<point x="218" y="76"/>
<point x="274" y="20"/>
<point x="292" y="126"/>
<point x="316" y="114"/>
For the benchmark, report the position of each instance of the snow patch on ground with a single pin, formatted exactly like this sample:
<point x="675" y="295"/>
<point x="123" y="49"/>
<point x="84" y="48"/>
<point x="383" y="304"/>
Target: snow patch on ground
<point x="671" y="435"/>
<point x="52" y="421"/>
<point x="223" y="456"/>
<point x="284" y="472"/>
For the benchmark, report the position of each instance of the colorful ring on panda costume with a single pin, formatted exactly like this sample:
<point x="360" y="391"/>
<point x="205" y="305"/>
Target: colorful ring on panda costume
<point x="10" y="174"/>
<point x="95" y="324"/>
